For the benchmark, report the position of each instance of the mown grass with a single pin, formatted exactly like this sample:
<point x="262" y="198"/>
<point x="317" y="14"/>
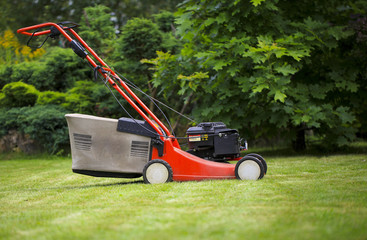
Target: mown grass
<point x="301" y="197"/>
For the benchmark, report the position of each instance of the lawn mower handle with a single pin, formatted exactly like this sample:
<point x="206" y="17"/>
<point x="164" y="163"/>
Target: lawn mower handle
<point x="82" y="49"/>
<point x="26" y="30"/>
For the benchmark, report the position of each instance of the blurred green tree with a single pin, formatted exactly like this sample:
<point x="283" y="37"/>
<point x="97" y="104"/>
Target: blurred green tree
<point x="276" y="68"/>
<point x="141" y="39"/>
<point x="97" y="29"/>
<point x="21" y="13"/>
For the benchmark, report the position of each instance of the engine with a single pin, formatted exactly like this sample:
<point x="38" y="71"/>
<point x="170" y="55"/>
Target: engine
<point x="213" y="141"/>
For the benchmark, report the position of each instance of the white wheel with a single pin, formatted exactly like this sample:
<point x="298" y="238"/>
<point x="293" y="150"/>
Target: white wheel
<point x="157" y="171"/>
<point x="249" y="168"/>
<point x="262" y="160"/>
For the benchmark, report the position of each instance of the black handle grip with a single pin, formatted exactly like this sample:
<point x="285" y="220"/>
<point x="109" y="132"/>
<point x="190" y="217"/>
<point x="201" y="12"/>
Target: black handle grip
<point x="78" y="49"/>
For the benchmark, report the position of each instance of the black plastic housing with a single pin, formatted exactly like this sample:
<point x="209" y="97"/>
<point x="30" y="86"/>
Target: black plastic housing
<point x="135" y="126"/>
<point x="214" y="141"/>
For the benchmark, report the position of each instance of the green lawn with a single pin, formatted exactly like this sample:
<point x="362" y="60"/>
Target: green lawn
<point x="300" y="198"/>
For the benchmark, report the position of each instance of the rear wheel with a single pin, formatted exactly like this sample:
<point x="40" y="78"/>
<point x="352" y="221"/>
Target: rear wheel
<point x="249" y="168"/>
<point x="157" y="171"/>
<point x="261" y="159"/>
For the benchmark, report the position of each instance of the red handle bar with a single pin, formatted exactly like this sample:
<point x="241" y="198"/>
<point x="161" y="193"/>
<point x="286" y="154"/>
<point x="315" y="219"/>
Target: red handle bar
<point x="26" y="30"/>
<point x="62" y="30"/>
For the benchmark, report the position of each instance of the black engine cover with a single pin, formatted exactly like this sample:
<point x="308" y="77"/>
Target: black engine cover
<point x="213" y="141"/>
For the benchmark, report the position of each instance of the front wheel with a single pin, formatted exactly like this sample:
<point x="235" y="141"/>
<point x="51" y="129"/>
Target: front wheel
<point x="249" y="168"/>
<point x="157" y="171"/>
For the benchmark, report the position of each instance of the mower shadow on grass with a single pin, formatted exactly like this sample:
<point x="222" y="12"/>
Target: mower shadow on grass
<point x="98" y="185"/>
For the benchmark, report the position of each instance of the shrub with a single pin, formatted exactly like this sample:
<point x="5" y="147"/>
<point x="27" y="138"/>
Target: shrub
<point x="57" y="70"/>
<point x="48" y="126"/>
<point x="51" y="97"/>
<point x="44" y="124"/>
<point x="8" y="119"/>
<point x="20" y="72"/>
<point x="80" y="98"/>
<point x="18" y="94"/>
<point x="5" y="73"/>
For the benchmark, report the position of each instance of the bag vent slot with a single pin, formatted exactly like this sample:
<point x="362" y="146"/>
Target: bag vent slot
<point x="82" y="141"/>
<point x="139" y="149"/>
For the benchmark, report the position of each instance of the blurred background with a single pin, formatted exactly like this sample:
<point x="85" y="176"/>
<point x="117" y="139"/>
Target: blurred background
<point x="284" y="73"/>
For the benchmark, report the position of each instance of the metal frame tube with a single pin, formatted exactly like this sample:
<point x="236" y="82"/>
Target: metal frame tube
<point x="26" y="30"/>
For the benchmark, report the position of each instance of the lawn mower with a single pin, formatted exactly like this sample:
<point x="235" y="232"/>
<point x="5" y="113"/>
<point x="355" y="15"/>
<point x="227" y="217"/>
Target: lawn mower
<point x="131" y="148"/>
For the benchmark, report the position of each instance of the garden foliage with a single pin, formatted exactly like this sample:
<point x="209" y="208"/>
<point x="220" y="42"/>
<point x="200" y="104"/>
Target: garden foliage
<point x="276" y="68"/>
<point x="12" y="51"/>
<point x="273" y="69"/>
<point x="18" y="94"/>
<point x="45" y="124"/>
<point x="41" y="90"/>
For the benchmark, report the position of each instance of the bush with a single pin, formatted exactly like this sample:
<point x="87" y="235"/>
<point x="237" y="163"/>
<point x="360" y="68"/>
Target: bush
<point x="48" y="126"/>
<point x="80" y="98"/>
<point x="18" y="94"/>
<point x="51" y="97"/>
<point x="5" y="73"/>
<point x="8" y="120"/>
<point x="44" y="124"/>
<point x="57" y="70"/>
